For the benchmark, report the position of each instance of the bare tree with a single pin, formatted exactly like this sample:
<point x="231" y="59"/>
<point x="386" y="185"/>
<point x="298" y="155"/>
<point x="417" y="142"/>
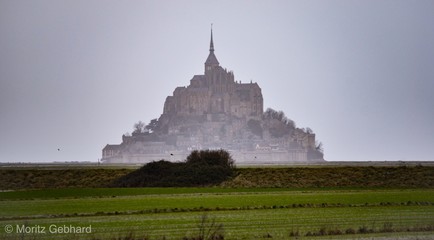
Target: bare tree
<point x="309" y="131"/>
<point x="209" y="229"/>
<point x="319" y="147"/>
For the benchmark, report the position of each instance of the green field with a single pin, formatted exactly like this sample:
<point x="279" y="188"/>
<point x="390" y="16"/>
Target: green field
<point x="245" y="213"/>
<point x="303" y="202"/>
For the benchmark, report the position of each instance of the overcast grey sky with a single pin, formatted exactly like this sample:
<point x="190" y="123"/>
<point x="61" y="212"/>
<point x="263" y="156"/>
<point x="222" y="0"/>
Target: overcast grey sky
<point x="78" y="74"/>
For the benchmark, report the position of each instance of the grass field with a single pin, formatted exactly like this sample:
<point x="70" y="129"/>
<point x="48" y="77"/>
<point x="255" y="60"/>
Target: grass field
<point x="245" y="213"/>
<point x="304" y="202"/>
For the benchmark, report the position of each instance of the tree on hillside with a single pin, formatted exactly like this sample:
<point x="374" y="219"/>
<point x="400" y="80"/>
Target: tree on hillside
<point x="139" y="127"/>
<point x="153" y="124"/>
<point x="278" y="124"/>
<point x="280" y="116"/>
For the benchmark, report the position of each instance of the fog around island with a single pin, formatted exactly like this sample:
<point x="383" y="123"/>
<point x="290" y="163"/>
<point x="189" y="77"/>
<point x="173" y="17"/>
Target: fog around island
<point x="76" y="75"/>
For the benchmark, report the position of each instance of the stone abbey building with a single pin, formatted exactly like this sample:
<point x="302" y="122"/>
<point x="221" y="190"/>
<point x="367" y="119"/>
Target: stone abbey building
<point x="217" y="112"/>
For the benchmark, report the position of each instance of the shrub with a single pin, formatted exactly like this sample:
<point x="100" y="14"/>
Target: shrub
<point x="201" y="168"/>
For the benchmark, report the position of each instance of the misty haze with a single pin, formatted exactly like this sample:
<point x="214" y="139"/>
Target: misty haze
<point x="75" y="76"/>
<point x="212" y="120"/>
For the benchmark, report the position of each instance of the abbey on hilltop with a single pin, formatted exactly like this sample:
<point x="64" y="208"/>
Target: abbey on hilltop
<point x="217" y="112"/>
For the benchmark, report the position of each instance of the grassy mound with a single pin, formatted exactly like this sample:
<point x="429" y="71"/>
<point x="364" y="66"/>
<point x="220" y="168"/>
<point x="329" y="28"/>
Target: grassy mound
<point x="58" y="178"/>
<point x="199" y="173"/>
<point x="382" y="176"/>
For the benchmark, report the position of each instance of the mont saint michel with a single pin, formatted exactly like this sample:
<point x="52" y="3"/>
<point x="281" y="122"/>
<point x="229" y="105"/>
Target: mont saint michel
<point x="217" y="112"/>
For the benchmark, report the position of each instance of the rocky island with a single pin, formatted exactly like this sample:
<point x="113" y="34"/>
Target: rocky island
<point x="217" y="112"/>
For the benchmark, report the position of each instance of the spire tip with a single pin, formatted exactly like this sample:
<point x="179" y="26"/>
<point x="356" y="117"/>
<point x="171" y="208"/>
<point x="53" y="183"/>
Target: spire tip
<point x="211" y="45"/>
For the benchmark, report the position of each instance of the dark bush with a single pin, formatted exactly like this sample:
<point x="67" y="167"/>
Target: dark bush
<point x="201" y="168"/>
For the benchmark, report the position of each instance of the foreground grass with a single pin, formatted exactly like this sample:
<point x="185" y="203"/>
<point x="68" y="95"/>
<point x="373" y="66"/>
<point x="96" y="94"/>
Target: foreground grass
<point x="281" y="203"/>
<point x="244" y="213"/>
<point x="52" y="207"/>
<point x="247" y="224"/>
<point x="57" y="193"/>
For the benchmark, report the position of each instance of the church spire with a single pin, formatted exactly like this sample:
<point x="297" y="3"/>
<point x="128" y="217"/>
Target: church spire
<point x="211" y="61"/>
<point x="211" y="45"/>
